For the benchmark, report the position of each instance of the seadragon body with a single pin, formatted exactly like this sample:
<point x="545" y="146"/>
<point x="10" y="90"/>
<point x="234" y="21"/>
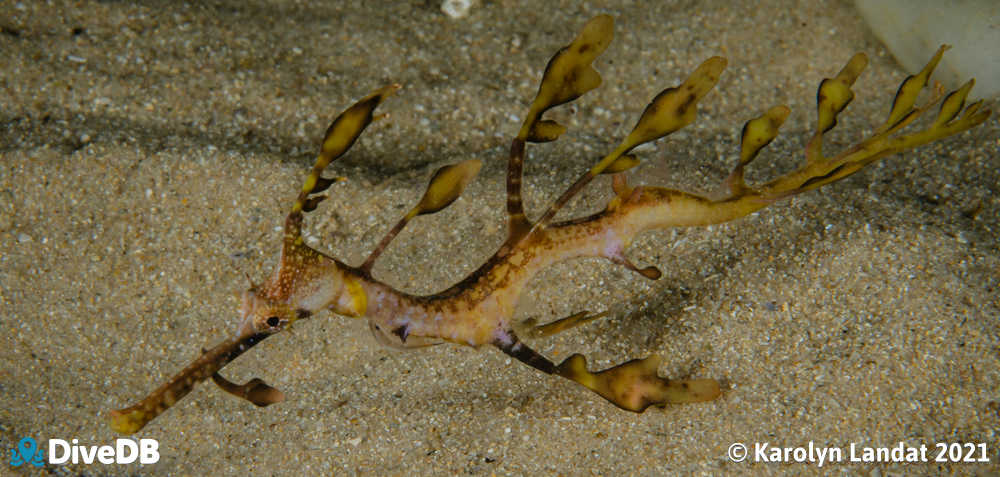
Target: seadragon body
<point x="478" y="310"/>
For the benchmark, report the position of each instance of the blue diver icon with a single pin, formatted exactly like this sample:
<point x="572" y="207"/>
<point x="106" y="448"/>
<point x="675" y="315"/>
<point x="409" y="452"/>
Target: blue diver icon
<point x="27" y="452"/>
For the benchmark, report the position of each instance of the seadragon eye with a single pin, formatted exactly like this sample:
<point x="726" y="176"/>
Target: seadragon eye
<point x="273" y="321"/>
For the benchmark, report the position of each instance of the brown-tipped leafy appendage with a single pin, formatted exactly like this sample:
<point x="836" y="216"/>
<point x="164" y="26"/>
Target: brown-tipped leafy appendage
<point x="757" y="133"/>
<point x="568" y="76"/>
<point x="634" y="385"/>
<point x="676" y="107"/>
<point x="479" y="310"/>
<point x="445" y="187"/>
<point x="339" y="137"/>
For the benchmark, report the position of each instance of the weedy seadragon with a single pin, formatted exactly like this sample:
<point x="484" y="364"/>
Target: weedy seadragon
<point x="478" y="310"/>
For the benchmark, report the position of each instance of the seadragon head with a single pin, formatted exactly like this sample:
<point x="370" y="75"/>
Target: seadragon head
<point x="259" y="314"/>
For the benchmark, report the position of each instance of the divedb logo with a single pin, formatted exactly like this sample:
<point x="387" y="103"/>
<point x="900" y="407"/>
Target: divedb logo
<point x="60" y="451"/>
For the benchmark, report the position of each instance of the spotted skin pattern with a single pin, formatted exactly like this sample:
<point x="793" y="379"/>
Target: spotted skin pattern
<point x="478" y="310"/>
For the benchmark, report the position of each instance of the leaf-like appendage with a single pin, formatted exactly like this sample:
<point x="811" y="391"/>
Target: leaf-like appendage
<point x="569" y="73"/>
<point x="545" y="131"/>
<point x="563" y="324"/>
<point x="346" y="128"/>
<point x="757" y="133"/>
<point x="835" y="93"/>
<point x="760" y="131"/>
<point x="311" y="203"/>
<point x="675" y="108"/>
<point x="669" y="111"/>
<point x="623" y="163"/>
<point x="324" y="183"/>
<point x="446" y="185"/>
<point x="952" y="105"/>
<point x="907" y="93"/>
<point x="340" y="136"/>
<point x="635" y="385"/>
<point x="256" y="391"/>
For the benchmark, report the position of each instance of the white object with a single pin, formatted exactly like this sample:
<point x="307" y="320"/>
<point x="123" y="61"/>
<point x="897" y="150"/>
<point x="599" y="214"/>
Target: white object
<point x="914" y="29"/>
<point x="457" y="8"/>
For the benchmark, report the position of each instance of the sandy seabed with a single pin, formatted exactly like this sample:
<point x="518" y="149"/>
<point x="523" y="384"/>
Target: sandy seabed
<point x="149" y="151"/>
